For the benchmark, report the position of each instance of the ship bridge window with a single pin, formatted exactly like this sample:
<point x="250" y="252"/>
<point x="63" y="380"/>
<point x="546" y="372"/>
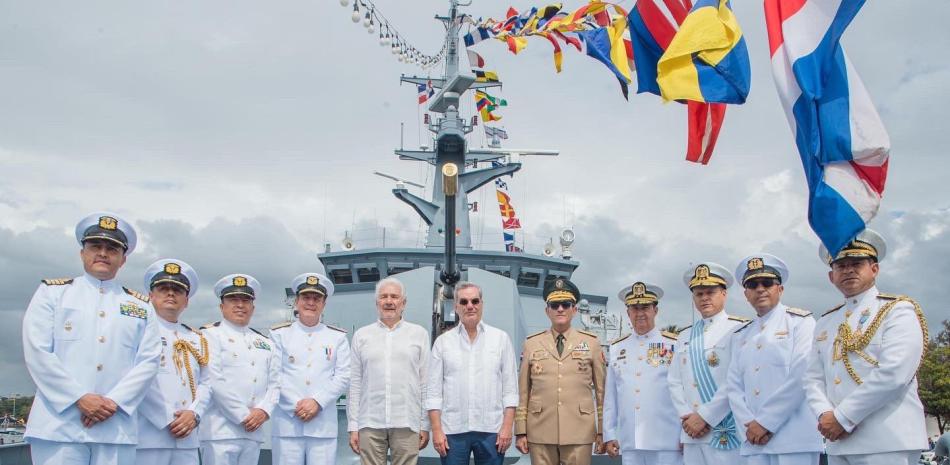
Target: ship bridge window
<point x="367" y="274"/>
<point x="341" y="276"/>
<point x="506" y="272"/>
<point x="529" y="277"/>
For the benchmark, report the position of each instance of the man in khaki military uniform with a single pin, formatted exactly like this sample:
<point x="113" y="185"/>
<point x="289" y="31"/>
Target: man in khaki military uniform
<point x="556" y="421"/>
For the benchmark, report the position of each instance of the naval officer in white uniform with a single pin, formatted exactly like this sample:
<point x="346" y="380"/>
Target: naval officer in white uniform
<point x="861" y="381"/>
<point x="698" y="375"/>
<point x="179" y="395"/>
<point x="766" y="374"/>
<point x="244" y="378"/>
<point x="640" y="422"/>
<point x="314" y="372"/>
<point x="92" y="349"/>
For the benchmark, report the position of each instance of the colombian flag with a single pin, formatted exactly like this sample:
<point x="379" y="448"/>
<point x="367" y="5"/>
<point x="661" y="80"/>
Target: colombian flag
<point x="707" y="61"/>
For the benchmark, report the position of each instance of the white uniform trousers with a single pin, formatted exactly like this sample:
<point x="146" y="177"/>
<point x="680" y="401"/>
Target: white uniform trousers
<point x="651" y="457"/>
<point x="704" y="454"/>
<point x="902" y="457"/>
<point x="230" y="452"/>
<point x="304" y="451"/>
<point x="166" y="457"/>
<point x="80" y="453"/>
<point x="798" y="458"/>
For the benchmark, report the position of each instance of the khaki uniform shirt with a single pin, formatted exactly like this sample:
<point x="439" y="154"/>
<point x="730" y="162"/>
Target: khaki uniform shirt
<point x="557" y="393"/>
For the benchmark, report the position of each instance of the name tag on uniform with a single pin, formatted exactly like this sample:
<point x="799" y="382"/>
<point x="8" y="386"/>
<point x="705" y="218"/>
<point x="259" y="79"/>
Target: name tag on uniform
<point x="580" y="354"/>
<point x="823" y="336"/>
<point x="132" y="310"/>
<point x="781" y="334"/>
<point x="539" y="354"/>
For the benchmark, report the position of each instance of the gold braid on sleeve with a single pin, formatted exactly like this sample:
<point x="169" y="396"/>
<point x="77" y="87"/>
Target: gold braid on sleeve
<point x="181" y="349"/>
<point x="848" y="341"/>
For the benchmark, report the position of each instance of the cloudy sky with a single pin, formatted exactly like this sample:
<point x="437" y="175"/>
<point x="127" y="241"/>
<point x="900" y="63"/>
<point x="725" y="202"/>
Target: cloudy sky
<point x="241" y="136"/>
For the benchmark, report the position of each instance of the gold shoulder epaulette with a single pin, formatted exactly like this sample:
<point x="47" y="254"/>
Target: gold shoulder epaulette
<point x="684" y="328"/>
<point x="797" y="311"/>
<point x="136" y="294"/>
<point x="832" y="310"/>
<point x="739" y="318"/>
<point x="670" y="335"/>
<point x="337" y="329"/>
<point x="258" y="332"/>
<point x="587" y="333"/>
<point x="281" y="325"/>
<point x="620" y="339"/>
<point x="536" y="334"/>
<point x="210" y="325"/>
<point x="890" y="296"/>
<point x="57" y="281"/>
<point x="743" y="326"/>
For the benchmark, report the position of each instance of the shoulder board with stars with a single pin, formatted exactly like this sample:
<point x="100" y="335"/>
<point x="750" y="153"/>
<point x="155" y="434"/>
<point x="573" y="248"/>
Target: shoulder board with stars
<point x="256" y="331"/>
<point x="136" y="294"/>
<point x="281" y="325"/>
<point x="669" y="335"/>
<point x="57" y="281"/>
<point x="833" y="310"/>
<point x="797" y="312"/>
<point x="587" y="333"/>
<point x="210" y="325"/>
<point x="336" y="329"/>
<point x="884" y="296"/>
<point x="740" y="319"/>
<point x="743" y="326"/>
<point x="536" y="334"/>
<point x="619" y="339"/>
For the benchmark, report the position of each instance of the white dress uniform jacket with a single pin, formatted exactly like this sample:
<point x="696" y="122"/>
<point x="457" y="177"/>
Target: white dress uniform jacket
<point x="766" y="381"/>
<point x="883" y="414"/>
<point x="638" y="409"/>
<point x="171" y="392"/>
<point x="244" y="375"/>
<point x="88" y="336"/>
<point x="716" y="354"/>
<point x="314" y="363"/>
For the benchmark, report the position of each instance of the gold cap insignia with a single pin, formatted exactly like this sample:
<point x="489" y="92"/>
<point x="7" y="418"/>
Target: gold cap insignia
<point x="313" y="280"/>
<point x="172" y="268"/>
<point x="559" y="284"/>
<point x="755" y="263"/>
<point x="702" y="272"/>
<point x="108" y="223"/>
<point x="239" y="281"/>
<point x="639" y="289"/>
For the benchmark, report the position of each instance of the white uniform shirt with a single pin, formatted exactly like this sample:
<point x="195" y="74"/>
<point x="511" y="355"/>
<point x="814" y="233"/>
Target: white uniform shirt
<point x="884" y="413"/>
<point x="638" y="409"/>
<point x="716" y="354"/>
<point x="89" y="336"/>
<point x="315" y="364"/>
<point x="766" y="382"/>
<point x="388" y="377"/>
<point x="171" y="391"/>
<point x="472" y="383"/>
<point x="244" y="375"/>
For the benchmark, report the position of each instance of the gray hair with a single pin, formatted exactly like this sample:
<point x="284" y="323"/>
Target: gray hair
<point x="466" y="285"/>
<point x="390" y="280"/>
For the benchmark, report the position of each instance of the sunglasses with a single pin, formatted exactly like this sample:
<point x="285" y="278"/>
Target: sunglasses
<point x="755" y="283"/>
<point x="474" y="301"/>
<point x="565" y="304"/>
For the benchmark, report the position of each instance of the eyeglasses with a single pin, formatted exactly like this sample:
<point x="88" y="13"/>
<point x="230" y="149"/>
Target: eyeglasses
<point x="474" y="301"/>
<point x="755" y="283"/>
<point x="565" y="304"/>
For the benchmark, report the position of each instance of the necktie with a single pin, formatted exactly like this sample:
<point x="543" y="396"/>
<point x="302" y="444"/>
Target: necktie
<point x="560" y="344"/>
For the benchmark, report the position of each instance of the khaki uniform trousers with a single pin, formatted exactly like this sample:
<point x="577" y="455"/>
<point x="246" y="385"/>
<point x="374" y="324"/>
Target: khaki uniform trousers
<point x="376" y="443"/>
<point x="555" y="454"/>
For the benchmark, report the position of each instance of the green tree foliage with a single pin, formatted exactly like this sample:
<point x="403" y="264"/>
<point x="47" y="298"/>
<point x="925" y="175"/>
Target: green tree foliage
<point x="22" y="407"/>
<point x="934" y="378"/>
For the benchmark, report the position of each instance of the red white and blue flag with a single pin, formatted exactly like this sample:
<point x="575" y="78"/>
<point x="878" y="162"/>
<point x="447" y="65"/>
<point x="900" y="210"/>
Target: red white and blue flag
<point x="425" y="91"/>
<point x="843" y="144"/>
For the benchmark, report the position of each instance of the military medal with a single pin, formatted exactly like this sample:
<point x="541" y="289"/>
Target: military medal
<point x="713" y="359"/>
<point x="536" y="369"/>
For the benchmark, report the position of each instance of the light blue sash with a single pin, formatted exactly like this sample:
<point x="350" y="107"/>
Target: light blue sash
<point x="724" y="434"/>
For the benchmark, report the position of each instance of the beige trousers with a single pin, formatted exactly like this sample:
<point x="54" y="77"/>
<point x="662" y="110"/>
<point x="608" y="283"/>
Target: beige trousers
<point x="554" y="454"/>
<point x="376" y="443"/>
